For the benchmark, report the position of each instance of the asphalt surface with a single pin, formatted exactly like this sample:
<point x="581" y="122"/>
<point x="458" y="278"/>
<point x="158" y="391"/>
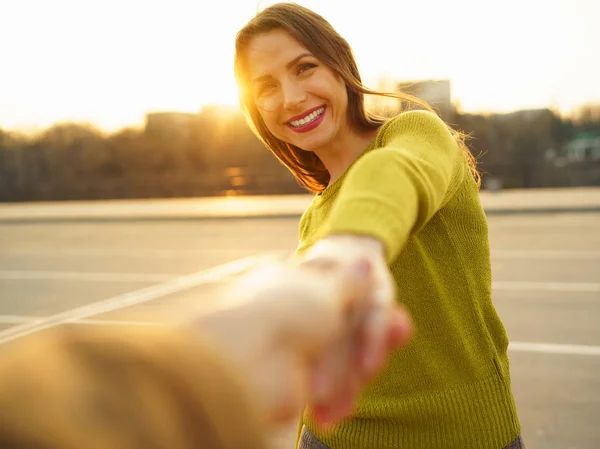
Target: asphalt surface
<point x="546" y="289"/>
<point x="513" y="201"/>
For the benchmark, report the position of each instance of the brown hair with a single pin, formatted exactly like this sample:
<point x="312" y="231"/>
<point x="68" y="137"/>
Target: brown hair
<point x="326" y="44"/>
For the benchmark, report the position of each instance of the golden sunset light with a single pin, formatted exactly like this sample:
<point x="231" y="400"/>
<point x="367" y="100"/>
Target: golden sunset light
<point x="110" y="62"/>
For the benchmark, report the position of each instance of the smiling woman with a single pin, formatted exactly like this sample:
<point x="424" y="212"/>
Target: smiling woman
<point x="296" y="93"/>
<point x="287" y="69"/>
<point x="402" y="193"/>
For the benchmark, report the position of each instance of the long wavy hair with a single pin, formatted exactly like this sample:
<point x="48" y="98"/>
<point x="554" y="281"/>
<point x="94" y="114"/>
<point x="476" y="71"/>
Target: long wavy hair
<point x="327" y="45"/>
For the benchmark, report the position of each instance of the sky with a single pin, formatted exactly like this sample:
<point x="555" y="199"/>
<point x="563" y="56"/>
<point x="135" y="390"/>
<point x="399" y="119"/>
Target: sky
<point x="108" y="62"/>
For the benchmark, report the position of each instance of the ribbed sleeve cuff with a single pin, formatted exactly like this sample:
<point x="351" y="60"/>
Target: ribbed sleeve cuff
<point x="377" y="200"/>
<point x="366" y="216"/>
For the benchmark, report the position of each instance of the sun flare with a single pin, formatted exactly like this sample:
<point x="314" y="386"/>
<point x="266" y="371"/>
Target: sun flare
<point x="110" y="62"/>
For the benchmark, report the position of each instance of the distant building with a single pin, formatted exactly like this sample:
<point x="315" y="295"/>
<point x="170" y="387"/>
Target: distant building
<point x="436" y="93"/>
<point x="585" y="146"/>
<point x="583" y="156"/>
<point x="175" y="127"/>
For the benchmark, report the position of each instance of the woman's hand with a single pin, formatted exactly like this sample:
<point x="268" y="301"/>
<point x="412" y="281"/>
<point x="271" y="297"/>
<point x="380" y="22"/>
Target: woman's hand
<point x="380" y="325"/>
<point x="295" y="333"/>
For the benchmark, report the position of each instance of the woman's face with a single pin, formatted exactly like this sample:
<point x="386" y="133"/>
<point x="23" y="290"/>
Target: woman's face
<point x="302" y="101"/>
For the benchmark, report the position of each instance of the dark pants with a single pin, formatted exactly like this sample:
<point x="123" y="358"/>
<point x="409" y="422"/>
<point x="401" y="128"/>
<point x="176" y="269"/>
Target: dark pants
<point x="309" y="441"/>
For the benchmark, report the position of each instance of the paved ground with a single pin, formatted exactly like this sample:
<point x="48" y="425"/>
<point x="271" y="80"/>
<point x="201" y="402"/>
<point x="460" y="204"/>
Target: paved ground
<point x="507" y="201"/>
<point x="546" y="287"/>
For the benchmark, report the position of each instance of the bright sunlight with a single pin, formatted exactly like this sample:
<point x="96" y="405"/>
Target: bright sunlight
<point x="110" y="62"/>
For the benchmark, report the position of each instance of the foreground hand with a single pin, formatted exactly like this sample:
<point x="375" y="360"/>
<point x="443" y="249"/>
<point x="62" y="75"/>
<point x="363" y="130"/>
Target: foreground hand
<point x="296" y="333"/>
<point x="378" y="324"/>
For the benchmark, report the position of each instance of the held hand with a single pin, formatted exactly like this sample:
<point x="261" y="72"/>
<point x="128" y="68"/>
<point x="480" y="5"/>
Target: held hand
<point x="294" y="333"/>
<point x="381" y="324"/>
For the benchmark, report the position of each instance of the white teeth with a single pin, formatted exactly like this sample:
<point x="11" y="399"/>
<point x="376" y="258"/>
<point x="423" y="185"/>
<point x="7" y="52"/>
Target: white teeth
<point x="308" y="119"/>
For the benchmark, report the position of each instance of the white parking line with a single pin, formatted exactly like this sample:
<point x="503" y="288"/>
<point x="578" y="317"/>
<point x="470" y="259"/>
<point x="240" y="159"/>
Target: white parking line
<point x="131" y="252"/>
<point x="150" y="293"/>
<point x="545" y="254"/>
<point x="18" y="319"/>
<point x="547" y="286"/>
<point x="12" y="275"/>
<point x="116" y="323"/>
<point x="15" y="319"/>
<point x="160" y="277"/>
<point x="550" y="348"/>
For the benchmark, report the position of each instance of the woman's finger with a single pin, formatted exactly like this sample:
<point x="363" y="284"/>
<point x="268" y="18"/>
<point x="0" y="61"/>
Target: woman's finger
<point x="327" y="415"/>
<point x="332" y="371"/>
<point x="377" y="323"/>
<point x="400" y="329"/>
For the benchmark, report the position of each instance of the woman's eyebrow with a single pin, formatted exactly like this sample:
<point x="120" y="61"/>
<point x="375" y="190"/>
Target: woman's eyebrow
<point x="288" y="66"/>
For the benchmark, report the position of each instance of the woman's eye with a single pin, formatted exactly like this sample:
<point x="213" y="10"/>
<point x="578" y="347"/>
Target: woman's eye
<point x="305" y="67"/>
<point x="265" y="88"/>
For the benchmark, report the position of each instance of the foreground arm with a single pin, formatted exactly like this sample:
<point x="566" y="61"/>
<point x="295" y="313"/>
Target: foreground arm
<point x="122" y="389"/>
<point x="220" y="380"/>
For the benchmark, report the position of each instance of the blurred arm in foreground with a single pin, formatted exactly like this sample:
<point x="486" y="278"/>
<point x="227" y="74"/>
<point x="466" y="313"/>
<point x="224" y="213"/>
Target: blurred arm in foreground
<point x="222" y="380"/>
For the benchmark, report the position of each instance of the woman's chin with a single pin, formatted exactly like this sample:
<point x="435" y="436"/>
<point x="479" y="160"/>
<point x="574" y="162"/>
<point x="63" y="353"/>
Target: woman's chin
<point x="310" y="144"/>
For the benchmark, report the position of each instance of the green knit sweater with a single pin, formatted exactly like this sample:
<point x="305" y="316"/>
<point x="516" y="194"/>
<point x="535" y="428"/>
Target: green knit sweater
<point x="450" y="388"/>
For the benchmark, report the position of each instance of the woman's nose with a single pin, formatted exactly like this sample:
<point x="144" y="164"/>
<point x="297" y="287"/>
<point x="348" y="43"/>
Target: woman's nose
<point x="293" y="95"/>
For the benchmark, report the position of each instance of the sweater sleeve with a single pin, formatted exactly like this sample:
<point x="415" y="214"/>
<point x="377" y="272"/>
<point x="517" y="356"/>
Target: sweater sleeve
<point x="392" y="191"/>
<point x="122" y="389"/>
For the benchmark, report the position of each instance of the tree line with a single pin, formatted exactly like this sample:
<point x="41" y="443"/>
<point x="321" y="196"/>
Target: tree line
<point x="215" y="153"/>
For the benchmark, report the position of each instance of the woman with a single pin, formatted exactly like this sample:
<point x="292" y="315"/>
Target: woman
<point x="404" y="194"/>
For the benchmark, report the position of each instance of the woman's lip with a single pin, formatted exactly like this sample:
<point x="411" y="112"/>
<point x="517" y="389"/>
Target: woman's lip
<point x="304" y="114"/>
<point x="310" y="126"/>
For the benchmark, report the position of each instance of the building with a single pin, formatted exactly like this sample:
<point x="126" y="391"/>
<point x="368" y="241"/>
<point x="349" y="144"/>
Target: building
<point x="436" y="93"/>
<point x="585" y="146"/>
<point x="174" y="127"/>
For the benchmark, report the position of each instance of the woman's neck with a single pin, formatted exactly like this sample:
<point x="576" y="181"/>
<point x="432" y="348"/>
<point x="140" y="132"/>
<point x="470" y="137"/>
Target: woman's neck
<point x="341" y="153"/>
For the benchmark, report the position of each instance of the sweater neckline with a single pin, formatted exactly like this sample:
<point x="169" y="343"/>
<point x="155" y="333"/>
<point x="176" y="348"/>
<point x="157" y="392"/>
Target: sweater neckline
<point x="330" y="191"/>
